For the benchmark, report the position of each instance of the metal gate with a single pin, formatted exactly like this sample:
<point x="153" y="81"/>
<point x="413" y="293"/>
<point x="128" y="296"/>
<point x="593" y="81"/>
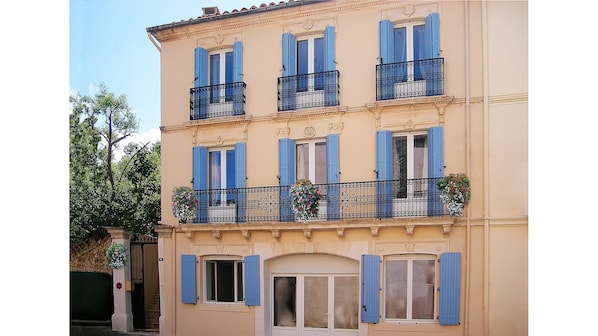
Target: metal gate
<point x="144" y="276"/>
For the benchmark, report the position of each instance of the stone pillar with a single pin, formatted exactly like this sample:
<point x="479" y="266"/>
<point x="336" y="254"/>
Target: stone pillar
<point x="165" y="266"/>
<point x="122" y="319"/>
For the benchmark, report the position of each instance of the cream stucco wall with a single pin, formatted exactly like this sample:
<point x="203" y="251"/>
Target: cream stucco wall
<point x="485" y="119"/>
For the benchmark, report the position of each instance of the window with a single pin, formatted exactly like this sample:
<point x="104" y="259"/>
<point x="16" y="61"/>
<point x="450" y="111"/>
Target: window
<point x="223" y="280"/>
<point x="409" y="287"/>
<point x="311" y="161"/>
<point x="221" y="72"/>
<point x="222" y="176"/>
<point x="409" y="46"/>
<point x="410" y="161"/>
<point x="310" y="59"/>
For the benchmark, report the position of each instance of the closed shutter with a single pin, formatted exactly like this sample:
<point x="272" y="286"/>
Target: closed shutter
<point x="370" y="288"/>
<point x="450" y="282"/>
<point x="435" y="169"/>
<point x="251" y="265"/>
<point x="384" y="174"/>
<point x="333" y="176"/>
<point x="200" y="182"/>
<point x="330" y="82"/>
<point x="385" y="85"/>
<point x="289" y="70"/>
<point x="286" y="173"/>
<point x="188" y="278"/>
<point x="240" y="180"/>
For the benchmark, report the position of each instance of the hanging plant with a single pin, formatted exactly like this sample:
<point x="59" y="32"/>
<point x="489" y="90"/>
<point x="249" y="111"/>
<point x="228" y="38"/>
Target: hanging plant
<point x="184" y="204"/>
<point x="305" y="199"/>
<point x="116" y="254"/>
<point x="455" y="193"/>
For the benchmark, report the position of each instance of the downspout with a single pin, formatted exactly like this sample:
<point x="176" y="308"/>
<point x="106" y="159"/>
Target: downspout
<point x="154" y="42"/>
<point x="467" y="170"/>
<point x="174" y="272"/>
<point x="486" y="214"/>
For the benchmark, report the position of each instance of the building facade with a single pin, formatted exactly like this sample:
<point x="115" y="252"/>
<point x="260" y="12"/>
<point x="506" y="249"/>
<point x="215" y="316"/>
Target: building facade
<point x="372" y="101"/>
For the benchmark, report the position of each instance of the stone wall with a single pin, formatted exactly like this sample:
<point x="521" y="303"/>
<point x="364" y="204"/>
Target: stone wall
<point x="90" y="256"/>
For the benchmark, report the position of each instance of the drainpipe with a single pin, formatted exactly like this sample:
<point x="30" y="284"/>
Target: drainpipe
<point x="153" y="40"/>
<point x="467" y="170"/>
<point x="486" y="214"/>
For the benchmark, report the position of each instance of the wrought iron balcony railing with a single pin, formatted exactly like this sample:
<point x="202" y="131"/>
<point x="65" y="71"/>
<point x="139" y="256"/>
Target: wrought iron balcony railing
<point x="410" y="79"/>
<point x="309" y="90"/>
<point x="372" y="199"/>
<point x="215" y="101"/>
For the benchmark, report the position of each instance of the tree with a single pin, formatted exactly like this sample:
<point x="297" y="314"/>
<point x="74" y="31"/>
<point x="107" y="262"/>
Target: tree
<point x="102" y="192"/>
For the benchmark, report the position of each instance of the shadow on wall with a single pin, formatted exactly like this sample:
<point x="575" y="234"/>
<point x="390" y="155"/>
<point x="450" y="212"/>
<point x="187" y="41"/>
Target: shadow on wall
<point x="91" y="297"/>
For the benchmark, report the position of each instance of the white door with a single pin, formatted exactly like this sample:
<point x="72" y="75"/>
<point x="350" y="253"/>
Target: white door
<point x="315" y="304"/>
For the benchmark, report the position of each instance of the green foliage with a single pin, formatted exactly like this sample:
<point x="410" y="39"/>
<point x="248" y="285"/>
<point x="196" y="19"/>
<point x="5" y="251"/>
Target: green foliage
<point x="102" y="192"/>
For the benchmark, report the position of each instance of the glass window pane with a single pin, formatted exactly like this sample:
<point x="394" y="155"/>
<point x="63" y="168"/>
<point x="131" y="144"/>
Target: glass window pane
<point x="214" y="78"/>
<point x="399" y="166"/>
<point x="318" y="63"/>
<point x="346" y="302"/>
<point x="285" y="291"/>
<point x="400" y="43"/>
<point x="302" y="161"/>
<point x="302" y="65"/>
<point x="215" y="171"/>
<point x="423" y="289"/>
<point x="228" y="75"/>
<point x="315" y="302"/>
<point x="396" y="289"/>
<point x="420" y="156"/>
<point x="230" y="175"/>
<point x="418" y="50"/>
<point x="210" y="281"/>
<point x="320" y="163"/>
<point x="240" y="294"/>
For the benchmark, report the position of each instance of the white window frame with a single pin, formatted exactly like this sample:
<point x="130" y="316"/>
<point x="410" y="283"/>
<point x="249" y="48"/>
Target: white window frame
<point x="409" y="304"/>
<point x="223" y="170"/>
<point x="410" y="152"/>
<point x="311" y="60"/>
<point x="409" y="36"/>
<point x="221" y="75"/>
<point x="215" y="259"/>
<point x="311" y="157"/>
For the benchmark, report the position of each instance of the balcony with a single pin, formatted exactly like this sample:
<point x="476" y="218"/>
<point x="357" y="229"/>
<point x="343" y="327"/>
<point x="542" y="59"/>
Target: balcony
<point x="309" y="90"/>
<point x="214" y="101"/>
<point x="341" y="201"/>
<point x="410" y="79"/>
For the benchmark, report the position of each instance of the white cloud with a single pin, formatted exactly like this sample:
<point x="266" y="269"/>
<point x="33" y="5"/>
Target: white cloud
<point x="152" y="135"/>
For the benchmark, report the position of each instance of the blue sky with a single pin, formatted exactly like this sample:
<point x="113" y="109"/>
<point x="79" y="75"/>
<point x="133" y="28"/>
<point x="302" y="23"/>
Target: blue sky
<point x="108" y="43"/>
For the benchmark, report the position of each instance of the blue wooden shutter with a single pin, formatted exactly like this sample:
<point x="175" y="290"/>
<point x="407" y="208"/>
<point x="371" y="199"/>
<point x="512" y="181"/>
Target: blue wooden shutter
<point x="386" y="73"/>
<point x="286" y="172"/>
<point x="432" y="70"/>
<point x="200" y="182"/>
<point x="435" y="169"/>
<point x="200" y="108"/>
<point x="330" y="82"/>
<point x="238" y="98"/>
<point x="384" y="174"/>
<point x="251" y="265"/>
<point x="450" y="281"/>
<point x="333" y="176"/>
<point x="188" y="278"/>
<point x="289" y="70"/>
<point x="240" y="180"/>
<point x="370" y="288"/>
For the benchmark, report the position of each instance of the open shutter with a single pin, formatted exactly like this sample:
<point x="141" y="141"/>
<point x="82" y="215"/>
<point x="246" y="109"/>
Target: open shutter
<point x="384" y="174"/>
<point x="432" y="69"/>
<point x="435" y="169"/>
<point x="330" y="82"/>
<point x="286" y="173"/>
<point x="386" y="74"/>
<point x="240" y="180"/>
<point x="200" y="79"/>
<point x="450" y="280"/>
<point x="370" y="288"/>
<point x="238" y="98"/>
<point x="251" y="265"/>
<point x="289" y="70"/>
<point x="188" y="278"/>
<point x="333" y="176"/>
<point x="200" y="182"/>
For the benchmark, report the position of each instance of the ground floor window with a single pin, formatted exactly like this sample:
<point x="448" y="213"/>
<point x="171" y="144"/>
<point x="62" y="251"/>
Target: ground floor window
<point x="223" y="280"/>
<point x="409" y="287"/>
